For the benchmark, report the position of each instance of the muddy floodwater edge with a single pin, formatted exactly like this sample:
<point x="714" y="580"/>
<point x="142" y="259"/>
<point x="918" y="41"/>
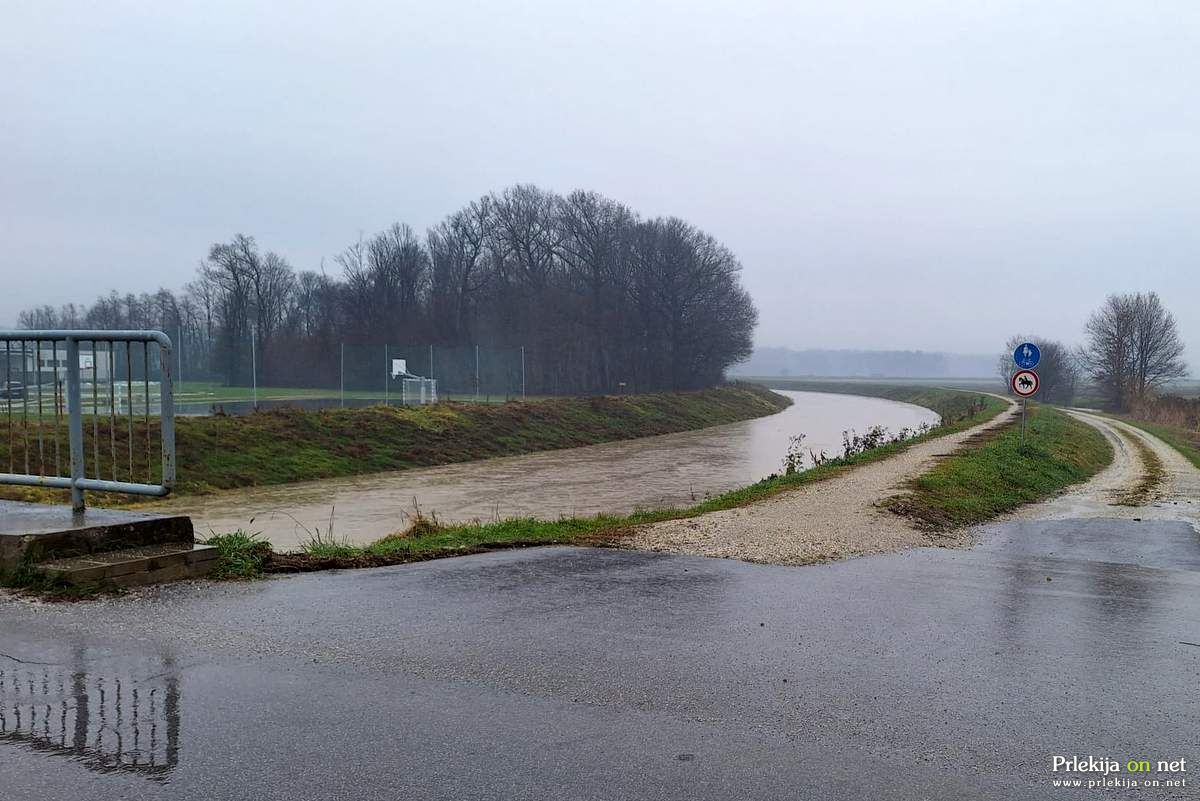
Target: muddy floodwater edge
<point x="613" y="478"/>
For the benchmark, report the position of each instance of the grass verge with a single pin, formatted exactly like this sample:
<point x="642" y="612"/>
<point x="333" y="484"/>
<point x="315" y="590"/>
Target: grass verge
<point x="429" y="539"/>
<point x="240" y="555"/>
<point x="1186" y="441"/>
<point x="997" y="474"/>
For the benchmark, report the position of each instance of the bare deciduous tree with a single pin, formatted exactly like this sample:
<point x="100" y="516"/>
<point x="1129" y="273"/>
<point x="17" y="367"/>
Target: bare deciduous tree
<point x="1133" y="348"/>
<point x="596" y="297"/>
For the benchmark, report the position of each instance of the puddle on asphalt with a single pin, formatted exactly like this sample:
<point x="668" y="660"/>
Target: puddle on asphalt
<point x="106" y="716"/>
<point x="619" y="477"/>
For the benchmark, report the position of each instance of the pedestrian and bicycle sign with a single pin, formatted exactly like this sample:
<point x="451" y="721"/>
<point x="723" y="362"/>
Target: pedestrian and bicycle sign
<point x="1027" y="355"/>
<point x="1025" y="383"/>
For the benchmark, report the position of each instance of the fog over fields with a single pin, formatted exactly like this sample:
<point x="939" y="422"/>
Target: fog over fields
<point x="918" y="176"/>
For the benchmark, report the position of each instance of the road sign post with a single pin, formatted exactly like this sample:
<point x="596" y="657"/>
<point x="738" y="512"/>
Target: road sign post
<point x="1025" y="385"/>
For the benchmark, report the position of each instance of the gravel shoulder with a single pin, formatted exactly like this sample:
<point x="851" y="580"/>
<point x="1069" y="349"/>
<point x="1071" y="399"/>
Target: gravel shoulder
<point x="1175" y="498"/>
<point x="831" y="519"/>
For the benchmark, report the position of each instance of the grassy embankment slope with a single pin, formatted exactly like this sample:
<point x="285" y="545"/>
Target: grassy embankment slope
<point x="990" y="476"/>
<point x="243" y="556"/>
<point x="286" y="445"/>
<point x="996" y="474"/>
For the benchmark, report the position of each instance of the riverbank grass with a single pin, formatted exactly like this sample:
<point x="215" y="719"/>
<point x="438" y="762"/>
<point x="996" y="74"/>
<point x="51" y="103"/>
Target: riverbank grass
<point x="997" y="474"/>
<point x="426" y="538"/>
<point x="281" y="446"/>
<point x="1184" y="440"/>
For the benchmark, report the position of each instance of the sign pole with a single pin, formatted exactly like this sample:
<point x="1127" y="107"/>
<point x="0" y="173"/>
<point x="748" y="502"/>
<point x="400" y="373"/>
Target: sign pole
<point x="1025" y="381"/>
<point x="1024" y="406"/>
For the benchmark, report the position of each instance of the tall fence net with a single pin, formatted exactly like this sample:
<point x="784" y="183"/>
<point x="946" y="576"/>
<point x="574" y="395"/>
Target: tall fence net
<point x="362" y="375"/>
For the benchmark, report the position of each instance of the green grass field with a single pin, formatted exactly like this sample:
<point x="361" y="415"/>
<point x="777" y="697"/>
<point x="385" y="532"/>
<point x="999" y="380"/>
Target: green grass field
<point x="215" y="393"/>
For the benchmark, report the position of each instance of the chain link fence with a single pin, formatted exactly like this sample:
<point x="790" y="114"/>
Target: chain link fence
<point x="363" y="375"/>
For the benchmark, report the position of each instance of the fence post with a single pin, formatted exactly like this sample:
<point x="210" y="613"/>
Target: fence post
<point x="385" y="374"/>
<point x="476" y="372"/>
<point x="166" y="416"/>
<point x="522" y="372"/>
<point x="342" y="376"/>
<point x="75" y="424"/>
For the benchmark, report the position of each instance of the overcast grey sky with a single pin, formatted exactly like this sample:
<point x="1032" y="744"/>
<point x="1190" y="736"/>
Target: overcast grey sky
<point x="933" y="175"/>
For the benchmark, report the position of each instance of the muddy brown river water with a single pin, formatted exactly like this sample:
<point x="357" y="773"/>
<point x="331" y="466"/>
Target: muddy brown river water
<point x="618" y="477"/>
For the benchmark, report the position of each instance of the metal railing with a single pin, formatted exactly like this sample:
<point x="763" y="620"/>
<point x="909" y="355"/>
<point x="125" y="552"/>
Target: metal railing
<point x="111" y="389"/>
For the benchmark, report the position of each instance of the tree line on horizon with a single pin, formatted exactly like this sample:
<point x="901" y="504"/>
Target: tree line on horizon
<point x="1132" y="351"/>
<point x="598" y="297"/>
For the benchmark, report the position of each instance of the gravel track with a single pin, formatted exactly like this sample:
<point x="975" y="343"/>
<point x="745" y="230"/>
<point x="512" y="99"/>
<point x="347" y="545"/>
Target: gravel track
<point x="1176" y="498"/>
<point x="831" y="519"/>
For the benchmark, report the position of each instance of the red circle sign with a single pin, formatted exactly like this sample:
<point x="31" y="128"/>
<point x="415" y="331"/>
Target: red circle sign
<point x="1025" y="383"/>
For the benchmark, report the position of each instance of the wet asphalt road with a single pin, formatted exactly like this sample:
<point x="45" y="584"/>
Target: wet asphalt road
<point x="562" y="673"/>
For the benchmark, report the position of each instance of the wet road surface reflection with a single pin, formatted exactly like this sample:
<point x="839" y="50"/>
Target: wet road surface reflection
<point x="562" y="673"/>
<point x="107" y="717"/>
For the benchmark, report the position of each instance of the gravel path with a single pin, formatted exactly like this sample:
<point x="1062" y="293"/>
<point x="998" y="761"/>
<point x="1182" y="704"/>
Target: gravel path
<point x="830" y="519"/>
<point x="1176" y="498"/>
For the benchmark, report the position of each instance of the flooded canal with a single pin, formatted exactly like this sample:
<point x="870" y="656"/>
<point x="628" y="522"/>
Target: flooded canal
<point x="618" y="477"/>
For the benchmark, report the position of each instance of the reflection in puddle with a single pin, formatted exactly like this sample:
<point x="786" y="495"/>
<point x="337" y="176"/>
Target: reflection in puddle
<point x="121" y="717"/>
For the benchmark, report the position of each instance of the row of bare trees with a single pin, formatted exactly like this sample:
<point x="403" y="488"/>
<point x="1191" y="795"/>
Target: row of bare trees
<point x="1132" y="351"/>
<point x="596" y="295"/>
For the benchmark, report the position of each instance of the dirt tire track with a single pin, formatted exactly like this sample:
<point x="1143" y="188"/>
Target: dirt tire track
<point x="1176" y="496"/>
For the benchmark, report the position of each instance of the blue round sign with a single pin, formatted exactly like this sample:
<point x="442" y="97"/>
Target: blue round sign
<point x="1027" y="355"/>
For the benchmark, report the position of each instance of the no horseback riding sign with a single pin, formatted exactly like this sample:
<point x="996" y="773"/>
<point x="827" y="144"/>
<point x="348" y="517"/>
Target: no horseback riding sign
<point x="1025" y="383"/>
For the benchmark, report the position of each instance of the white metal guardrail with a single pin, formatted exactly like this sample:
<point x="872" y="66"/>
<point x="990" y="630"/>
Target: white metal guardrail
<point x="127" y="390"/>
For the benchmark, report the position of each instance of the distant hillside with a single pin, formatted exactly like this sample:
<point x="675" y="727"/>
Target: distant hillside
<point x="866" y="364"/>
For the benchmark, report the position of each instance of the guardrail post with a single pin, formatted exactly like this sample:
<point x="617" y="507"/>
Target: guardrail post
<point x="166" y="417"/>
<point x="75" y="424"/>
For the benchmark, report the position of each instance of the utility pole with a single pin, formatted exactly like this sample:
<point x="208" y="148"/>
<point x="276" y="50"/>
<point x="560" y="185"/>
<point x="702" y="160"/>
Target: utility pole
<point x="179" y="348"/>
<point x="254" y="366"/>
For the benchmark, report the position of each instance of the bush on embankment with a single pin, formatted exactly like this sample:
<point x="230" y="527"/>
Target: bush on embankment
<point x="285" y="445"/>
